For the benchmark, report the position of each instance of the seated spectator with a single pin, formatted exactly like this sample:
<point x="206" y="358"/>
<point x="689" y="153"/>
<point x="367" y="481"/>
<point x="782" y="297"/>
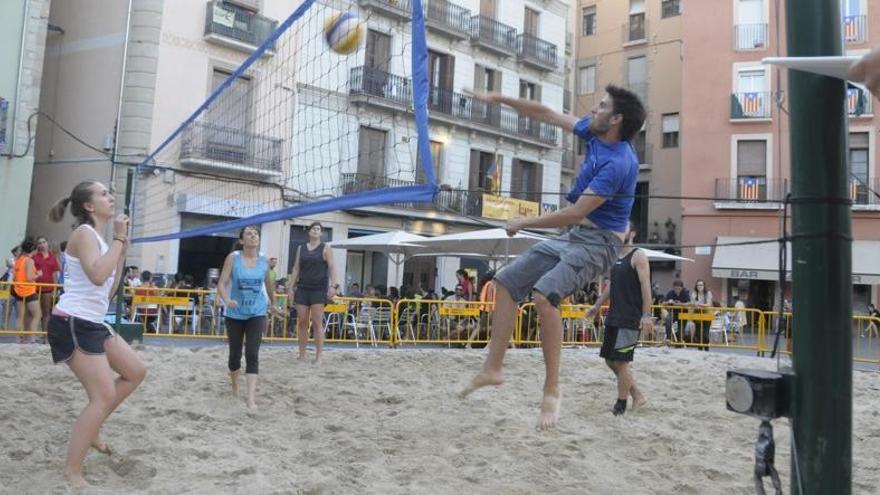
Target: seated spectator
<point x="678" y="296"/>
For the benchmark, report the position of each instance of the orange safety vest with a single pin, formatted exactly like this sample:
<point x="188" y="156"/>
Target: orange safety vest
<point x="22" y="288"/>
<point x="485" y="297"/>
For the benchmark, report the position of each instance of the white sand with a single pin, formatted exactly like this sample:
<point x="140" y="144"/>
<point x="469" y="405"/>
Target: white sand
<point x="390" y="422"/>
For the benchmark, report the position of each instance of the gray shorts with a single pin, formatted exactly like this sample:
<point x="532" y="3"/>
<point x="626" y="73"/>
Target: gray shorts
<point x="557" y="267"/>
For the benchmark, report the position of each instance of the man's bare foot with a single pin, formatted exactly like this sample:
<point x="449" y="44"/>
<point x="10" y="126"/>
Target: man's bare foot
<point x="301" y="357"/>
<point x="102" y="447"/>
<point x="549" y="416"/>
<point x="482" y="379"/>
<point x="252" y="405"/>
<point x="76" y="481"/>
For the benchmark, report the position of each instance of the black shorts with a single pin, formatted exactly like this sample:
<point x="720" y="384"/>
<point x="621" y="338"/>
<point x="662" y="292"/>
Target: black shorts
<point x="308" y="297"/>
<point x="31" y="298"/>
<point x="67" y="333"/>
<point x="619" y="344"/>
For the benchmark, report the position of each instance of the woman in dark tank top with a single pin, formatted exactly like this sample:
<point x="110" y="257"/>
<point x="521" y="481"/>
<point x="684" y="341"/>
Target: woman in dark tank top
<point x="312" y="285"/>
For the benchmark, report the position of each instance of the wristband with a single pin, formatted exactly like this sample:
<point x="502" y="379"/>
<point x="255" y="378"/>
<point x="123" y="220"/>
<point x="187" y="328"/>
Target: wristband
<point x="120" y="238"/>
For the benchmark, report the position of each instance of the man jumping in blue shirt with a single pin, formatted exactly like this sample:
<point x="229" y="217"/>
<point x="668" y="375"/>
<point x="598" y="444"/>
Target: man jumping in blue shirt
<point x="602" y="199"/>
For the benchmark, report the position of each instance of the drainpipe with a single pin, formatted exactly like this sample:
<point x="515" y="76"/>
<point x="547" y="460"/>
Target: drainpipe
<point x="24" y="26"/>
<point x="121" y="89"/>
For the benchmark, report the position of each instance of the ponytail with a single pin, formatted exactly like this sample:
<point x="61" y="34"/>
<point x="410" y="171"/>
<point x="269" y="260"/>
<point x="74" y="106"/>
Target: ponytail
<point x="56" y="214"/>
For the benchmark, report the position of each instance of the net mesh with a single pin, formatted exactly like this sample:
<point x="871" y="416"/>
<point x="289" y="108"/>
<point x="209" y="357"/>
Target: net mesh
<point x="285" y="133"/>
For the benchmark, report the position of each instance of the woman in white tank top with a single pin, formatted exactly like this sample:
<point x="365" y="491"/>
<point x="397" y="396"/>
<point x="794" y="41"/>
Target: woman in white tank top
<point x="77" y="334"/>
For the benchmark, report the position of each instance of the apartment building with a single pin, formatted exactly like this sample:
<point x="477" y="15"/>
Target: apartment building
<point x="162" y="59"/>
<point x="735" y="123"/>
<point x="637" y="44"/>
<point x="22" y="48"/>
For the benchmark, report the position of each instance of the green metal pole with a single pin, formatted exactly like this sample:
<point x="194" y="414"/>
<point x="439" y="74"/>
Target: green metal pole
<point x="120" y="292"/>
<point x="821" y="408"/>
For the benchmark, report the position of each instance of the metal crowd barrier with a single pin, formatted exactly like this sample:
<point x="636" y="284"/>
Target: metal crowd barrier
<point x="197" y="313"/>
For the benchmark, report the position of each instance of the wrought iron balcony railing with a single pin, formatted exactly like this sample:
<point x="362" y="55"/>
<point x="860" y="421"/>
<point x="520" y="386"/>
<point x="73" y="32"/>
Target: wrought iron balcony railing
<point x="855" y="28"/>
<point x="750" y="105"/>
<point x="750" y="36"/>
<point x="382" y="87"/>
<point x="537" y="52"/>
<point x="447" y="17"/>
<point x="398" y="9"/>
<point x="232" y="22"/>
<point x="493" y="35"/>
<point x="218" y="147"/>
<point x="750" y="189"/>
<point x="858" y="102"/>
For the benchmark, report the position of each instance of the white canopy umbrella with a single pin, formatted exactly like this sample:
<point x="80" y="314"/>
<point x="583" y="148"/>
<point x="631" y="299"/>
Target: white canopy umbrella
<point x="654" y="255"/>
<point x="397" y="245"/>
<point x="492" y="243"/>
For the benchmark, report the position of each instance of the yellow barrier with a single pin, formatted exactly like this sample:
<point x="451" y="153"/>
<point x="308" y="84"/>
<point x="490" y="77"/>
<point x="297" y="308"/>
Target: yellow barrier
<point x="194" y="313"/>
<point x="423" y="321"/>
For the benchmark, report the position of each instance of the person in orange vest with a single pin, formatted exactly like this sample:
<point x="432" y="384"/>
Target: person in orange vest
<point x="25" y="292"/>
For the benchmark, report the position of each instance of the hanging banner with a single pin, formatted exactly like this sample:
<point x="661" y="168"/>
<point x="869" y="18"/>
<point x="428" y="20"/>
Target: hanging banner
<point x="503" y="208"/>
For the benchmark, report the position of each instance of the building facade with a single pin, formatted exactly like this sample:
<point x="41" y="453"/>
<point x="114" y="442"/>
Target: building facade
<point x="735" y="123"/>
<point x="164" y="58"/>
<point x="22" y="49"/>
<point x="637" y="44"/>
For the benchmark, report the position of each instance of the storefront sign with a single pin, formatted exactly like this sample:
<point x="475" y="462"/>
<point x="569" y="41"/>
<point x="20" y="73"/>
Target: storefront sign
<point x="503" y="208"/>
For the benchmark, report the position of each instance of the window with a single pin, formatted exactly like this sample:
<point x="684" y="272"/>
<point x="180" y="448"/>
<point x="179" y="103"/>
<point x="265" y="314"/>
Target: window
<point x="752" y="100"/>
<point x="441" y="69"/>
<point x="436" y="149"/>
<point x="670" y="8"/>
<point x="670" y="130"/>
<point x="854" y="21"/>
<point x="588" y="21"/>
<point x="527" y="181"/>
<point x="636" y="28"/>
<point x="751" y="169"/>
<point x="637" y="76"/>
<point x="751" y="28"/>
<point x="586" y="82"/>
<point x="639" y="143"/>
<point x="228" y="133"/>
<point x="857" y="165"/>
<point x="371" y="158"/>
<point x="530" y="22"/>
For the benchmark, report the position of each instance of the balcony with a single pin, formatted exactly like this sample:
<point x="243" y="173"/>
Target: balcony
<point x="750" y="105"/>
<point x="636" y="30"/>
<point x="855" y="29"/>
<point x="237" y="28"/>
<point x="750" y="36"/>
<point x="858" y="103"/>
<point x="537" y="53"/>
<point x="861" y="192"/>
<point x="465" y="203"/>
<point x="375" y="87"/>
<point x="216" y="148"/>
<point x="448" y="19"/>
<point x="491" y="35"/>
<point x="750" y="193"/>
<point x="396" y="9"/>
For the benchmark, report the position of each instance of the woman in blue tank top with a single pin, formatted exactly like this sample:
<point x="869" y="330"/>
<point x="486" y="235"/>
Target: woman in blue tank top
<point x="245" y="288"/>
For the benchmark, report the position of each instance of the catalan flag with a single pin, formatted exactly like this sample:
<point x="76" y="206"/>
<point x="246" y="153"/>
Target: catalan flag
<point x="851" y="28"/>
<point x="752" y="104"/>
<point x="749" y="188"/>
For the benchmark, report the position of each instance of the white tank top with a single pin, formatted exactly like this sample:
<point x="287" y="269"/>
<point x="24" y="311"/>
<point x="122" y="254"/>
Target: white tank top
<point x="82" y="298"/>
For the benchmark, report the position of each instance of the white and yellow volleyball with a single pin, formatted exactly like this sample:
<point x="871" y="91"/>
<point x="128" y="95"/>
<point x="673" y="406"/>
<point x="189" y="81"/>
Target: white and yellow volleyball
<point x="344" y="32"/>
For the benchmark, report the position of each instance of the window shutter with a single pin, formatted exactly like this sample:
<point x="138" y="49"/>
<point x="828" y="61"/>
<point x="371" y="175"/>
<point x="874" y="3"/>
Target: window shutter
<point x="751" y="158"/>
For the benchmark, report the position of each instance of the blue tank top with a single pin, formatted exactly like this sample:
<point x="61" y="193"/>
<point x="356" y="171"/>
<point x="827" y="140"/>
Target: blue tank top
<point x="248" y="288"/>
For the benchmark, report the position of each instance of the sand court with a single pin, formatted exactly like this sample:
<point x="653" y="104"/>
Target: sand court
<point x="390" y="421"/>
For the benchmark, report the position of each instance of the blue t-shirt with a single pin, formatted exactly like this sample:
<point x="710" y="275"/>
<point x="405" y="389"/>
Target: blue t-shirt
<point x="611" y="170"/>
<point x="248" y="288"/>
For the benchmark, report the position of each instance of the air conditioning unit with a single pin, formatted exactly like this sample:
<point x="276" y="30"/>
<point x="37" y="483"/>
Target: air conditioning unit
<point x="247" y="4"/>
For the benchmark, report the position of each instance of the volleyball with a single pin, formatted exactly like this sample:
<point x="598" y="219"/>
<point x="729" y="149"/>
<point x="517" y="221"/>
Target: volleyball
<point x="344" y="32"/>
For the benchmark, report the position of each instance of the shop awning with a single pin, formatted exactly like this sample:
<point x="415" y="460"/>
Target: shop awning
<point x="761" y="261"/>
